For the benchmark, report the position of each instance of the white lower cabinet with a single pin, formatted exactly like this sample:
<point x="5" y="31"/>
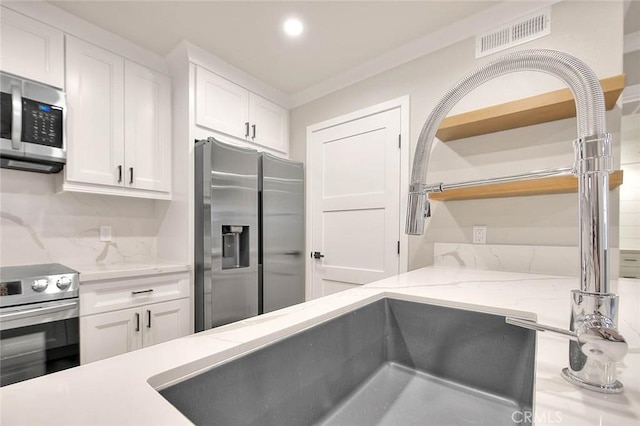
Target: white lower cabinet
<point x="115" y="333"/>
<point x="119" y="316"/>
<point x="106" y="335"/>
<point x="165" y="321"/>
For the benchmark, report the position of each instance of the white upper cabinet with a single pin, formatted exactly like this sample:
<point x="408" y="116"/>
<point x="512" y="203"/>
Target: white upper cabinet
<point x="147" y="100"/>
<point x="269" y="124"/>
<point x="225" y="107"/>
<point x="118" y="125"/>
<point x="221" y="104"/>
<point x="31" y="49"/>
<point x="95" y="120"/>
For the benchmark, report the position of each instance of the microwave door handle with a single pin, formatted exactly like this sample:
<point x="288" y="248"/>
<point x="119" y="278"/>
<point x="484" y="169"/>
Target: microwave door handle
<point x="16" y="119"/>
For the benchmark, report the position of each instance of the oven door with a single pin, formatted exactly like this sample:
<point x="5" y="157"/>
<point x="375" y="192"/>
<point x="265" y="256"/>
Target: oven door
<point x="38" y="339"/>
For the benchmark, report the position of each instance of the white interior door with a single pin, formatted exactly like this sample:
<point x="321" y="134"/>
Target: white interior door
<point x="354" y="171"/>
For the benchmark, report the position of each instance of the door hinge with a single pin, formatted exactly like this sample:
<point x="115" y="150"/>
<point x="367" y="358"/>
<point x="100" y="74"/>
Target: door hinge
<point x="399" y="141"/>
<point x="398" y="247"/>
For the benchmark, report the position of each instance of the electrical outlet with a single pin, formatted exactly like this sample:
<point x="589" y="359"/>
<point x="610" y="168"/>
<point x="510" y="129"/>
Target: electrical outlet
<point x="105" y="233"/>
<point x="479" y="235"/>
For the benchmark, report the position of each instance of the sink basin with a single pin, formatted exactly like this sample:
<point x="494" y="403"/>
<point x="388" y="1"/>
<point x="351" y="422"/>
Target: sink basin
<point x="390" y="362"/>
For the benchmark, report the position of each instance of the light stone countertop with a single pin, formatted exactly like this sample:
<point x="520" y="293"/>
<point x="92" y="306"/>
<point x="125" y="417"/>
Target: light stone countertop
<point x="119" y="390"/>
<point x="113" y="271"/>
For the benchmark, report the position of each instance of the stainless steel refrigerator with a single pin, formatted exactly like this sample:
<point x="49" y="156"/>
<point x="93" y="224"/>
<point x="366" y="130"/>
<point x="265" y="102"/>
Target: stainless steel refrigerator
<point x="249" y="233"/>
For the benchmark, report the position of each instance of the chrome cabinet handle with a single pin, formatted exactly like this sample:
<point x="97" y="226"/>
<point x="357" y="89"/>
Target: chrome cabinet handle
<point x="130" y="175"/>
<point x="246" y="129"/>
<point x="120" y="174"/>
<point x="253" y="127"/>
<point x="137" y="321"/>
<point x="16" y="124"/>
<point x="141" y="291"/>
<point x="148" y="318"/>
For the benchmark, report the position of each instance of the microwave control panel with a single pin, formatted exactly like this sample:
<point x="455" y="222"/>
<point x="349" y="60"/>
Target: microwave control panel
<point x="42" y="123"/>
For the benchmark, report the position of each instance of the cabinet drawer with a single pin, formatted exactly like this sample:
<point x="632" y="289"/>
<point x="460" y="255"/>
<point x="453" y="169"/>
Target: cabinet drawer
<point x="629" y="259"/>
<point x="626" y="272"/>
<point x="110" y="295"/>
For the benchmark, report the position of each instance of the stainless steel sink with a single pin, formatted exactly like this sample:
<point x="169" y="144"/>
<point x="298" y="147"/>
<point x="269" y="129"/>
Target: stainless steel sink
<point x="390" y="362"/>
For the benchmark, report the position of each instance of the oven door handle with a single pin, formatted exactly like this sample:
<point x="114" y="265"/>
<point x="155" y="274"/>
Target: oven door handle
<point x="37" y="311"/>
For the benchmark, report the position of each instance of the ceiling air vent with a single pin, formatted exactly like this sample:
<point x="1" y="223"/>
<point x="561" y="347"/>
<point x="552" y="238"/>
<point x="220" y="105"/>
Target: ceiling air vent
<point x="516" y="32"/>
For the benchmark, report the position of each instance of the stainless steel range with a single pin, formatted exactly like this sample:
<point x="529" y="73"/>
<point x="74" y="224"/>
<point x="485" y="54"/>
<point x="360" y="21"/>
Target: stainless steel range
<point x="39" y="321"/>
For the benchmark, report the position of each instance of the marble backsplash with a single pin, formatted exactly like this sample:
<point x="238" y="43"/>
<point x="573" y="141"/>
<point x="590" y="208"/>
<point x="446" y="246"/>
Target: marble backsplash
<point x="38" y="225"/>
<point x="551" y="260"/>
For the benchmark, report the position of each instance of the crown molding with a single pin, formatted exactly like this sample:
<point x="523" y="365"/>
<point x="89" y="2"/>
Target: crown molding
<point x="213" y="63"/>
<point x="70" y="24"/>
<point x="444" y="37"/>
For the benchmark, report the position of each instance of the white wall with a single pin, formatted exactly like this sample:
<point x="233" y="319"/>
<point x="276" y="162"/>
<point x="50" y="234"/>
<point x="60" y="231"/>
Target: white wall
<point x="541" y="220"/>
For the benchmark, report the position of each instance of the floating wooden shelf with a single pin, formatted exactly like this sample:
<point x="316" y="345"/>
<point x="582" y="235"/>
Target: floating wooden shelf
<point x="543" y="108"/>
<point x="549" y="185"/>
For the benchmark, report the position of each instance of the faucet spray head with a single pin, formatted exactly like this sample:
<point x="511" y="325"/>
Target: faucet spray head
<point x="418" y="210"/>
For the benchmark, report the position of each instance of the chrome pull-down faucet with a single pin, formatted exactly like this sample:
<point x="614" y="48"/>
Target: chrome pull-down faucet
<point x="592" y="166"/>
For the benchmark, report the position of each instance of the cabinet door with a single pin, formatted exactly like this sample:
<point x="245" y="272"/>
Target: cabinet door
<point x="165" y="321"/>
<point x="271" y="123"/>
<point x="221" y="105"/>
<point x="95" y="119"/>
<point x="31" y="49"/>
<point x="147" y="106"/>
<point x="113" y="333"/>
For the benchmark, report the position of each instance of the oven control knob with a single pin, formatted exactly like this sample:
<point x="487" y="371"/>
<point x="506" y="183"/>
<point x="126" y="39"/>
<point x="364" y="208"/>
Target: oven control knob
<point x="40" y="285"/>
<point x="64" y="283"/>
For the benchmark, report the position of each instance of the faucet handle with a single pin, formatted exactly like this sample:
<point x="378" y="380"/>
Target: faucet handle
<point x="600" y="339"/>
<point x="596" y="334"/>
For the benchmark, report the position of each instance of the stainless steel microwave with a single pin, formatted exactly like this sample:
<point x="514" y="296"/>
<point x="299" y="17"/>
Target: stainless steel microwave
<point x="32" y="127"/>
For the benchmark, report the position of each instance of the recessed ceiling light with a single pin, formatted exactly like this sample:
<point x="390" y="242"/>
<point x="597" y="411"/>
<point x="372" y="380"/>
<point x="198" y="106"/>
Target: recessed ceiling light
<point x="293" y="27"/>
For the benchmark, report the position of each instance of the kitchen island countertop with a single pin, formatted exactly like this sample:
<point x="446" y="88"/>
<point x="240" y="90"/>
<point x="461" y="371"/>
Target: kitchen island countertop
<point x="120" y="390"/>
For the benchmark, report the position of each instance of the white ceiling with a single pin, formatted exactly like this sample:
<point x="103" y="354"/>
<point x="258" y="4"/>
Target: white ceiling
<point x="338" y="36"/>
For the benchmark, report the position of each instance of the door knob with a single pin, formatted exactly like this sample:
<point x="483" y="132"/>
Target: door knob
<point x="317" y="255"/>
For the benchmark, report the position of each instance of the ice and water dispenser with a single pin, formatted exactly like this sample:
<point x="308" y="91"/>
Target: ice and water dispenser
<point x="235" y="246"/>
